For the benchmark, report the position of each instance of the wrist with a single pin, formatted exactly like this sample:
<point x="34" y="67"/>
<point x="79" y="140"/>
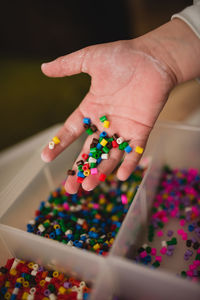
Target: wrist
<point x="176" y="47"/>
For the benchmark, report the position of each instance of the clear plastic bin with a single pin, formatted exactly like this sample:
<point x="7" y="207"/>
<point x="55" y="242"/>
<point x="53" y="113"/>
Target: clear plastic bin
<point x="177" y="146"/>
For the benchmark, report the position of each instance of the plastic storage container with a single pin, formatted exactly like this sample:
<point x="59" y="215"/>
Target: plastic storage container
<point x="177" y="146"/>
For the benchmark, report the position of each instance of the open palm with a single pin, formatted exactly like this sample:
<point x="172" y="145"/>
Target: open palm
<point x="129" y="86"/>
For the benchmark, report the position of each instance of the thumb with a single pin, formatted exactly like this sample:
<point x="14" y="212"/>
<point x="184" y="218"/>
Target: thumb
<point x="66" y="65"/>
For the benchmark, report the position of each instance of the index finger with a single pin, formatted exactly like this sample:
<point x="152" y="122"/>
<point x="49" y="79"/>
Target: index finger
<point x="71" y="130"/>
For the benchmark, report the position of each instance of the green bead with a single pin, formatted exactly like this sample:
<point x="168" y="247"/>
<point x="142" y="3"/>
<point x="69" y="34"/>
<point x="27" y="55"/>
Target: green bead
<point x="64" y="242"/>
<point x="160" y="224"/>
<point x="80" y="168"/>
<point x="123" y="145"/>
<point x="148" y="249"/>
<point x="103" y="118"/>
<point x="89" y="131"/>
<point x="93" y="150"/>
<point x="51" y="287"/>
<point x="73" y="218"/>
<point x="96" y="155"/>
<point x="106" y="149"/>
<point x="183" y="274"/>
<point x="93" y="165"/>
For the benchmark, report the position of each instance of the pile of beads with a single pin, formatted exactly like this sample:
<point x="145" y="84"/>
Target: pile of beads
<point x="99" y="149"/>
<point x="178" y="201"/>
<point x="87" y="220"/>
<point x="28" y="280"/>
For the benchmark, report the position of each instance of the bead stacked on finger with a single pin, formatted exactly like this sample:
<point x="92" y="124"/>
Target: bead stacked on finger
<point x="28" y="280"/>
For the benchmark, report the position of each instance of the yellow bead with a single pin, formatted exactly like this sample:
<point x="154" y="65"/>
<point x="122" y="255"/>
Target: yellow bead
<point x="55" y="274"/>
<point x="86" y="172"/>
<point x="30" y="265"/>
<point x="139" y="149"/>
<point x="42" y="282"/>
<point x="115" y="218"/>
<point x="62" y="290"/>
<point x="25" y="284"/>
<point x="20" y="279"/>
<point x="109" y="207"/>
<point x="56" y="226"/>
<point x="102" y="201"/>
<point x="25" y="296"/>
<point x="106" y="124"/>
<point x="111" y="241"/>
<point x="7" y="295"/>
<point x="7" y="284"/>
<point x="13" y="272"/>
<point x="103" y="142"/>
<point x="96" y="246"/>
<point x="56" y="140"/>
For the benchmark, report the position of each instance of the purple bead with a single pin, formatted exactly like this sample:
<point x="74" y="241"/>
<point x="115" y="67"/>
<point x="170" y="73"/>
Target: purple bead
<point x="189" y="252"/>
<point x="170" y="233"/>
<point x="47" y="292"/>
<point x="193" y="240"/>
<point x="41" y="268"/>
<point x="171" y="247"/>
<point x="66" y="284"/>
<point x="186" y="257"/>
<point x="169" y="253"/>
<point x="195" y="272"/>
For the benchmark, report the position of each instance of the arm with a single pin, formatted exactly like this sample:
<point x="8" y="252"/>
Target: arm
<point x="131" y="81"/>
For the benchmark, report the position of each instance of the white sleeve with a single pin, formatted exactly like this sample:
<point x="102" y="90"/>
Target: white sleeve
<point x="191" y="16"/>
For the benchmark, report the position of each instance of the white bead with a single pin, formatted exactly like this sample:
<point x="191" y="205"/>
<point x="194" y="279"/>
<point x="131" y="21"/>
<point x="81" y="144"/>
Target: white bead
<point x="144" y="246"/>
<point x="78" y="207"/>
<point x="31" y="222"/>
<point x="120" y="140"/>
<point x="80" y="221"/>
<point x="70" y="244"/>
<point x="33" y="273"/>
<point x="15" y="291"/>
<point x="69" y="231"/>
<point x="72" y="208"/>
<point x="35" y="267"/>
<point x="124" y="187"/>
<point x="30" y="297"/>
<point x="48" y="279"/>
<point x="51" y="145"/>
<point x="188" y="209"/>
<point x="32" y="291"/>
<point x="92" y="160"/>
<point x="79" y="296"/>
<point x="15" y="263"/>
<point x="52" y="297"/>
<point x="41" y="228"/>
<point x="74" y="288"/>
<point x="164" y="244"/>
<point x="82" y="283"/>
<point x="104" y="155"/>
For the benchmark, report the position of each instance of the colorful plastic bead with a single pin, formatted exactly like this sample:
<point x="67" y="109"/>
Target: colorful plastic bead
<point x="56" y="140"/>
<point x="139" y="149"/>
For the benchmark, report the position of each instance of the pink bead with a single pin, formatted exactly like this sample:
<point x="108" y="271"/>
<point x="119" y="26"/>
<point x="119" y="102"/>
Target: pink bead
<point x="124" y="199"/>
<point x="182" y="222"/>
<point x="66" y="206"/>
<point x="143" y="254"/>
<point x="198" y="251"/>
<point x="196" y="263"/>
<point x="159" y="233"/>
<point x="93" y="171"/>
<point x="163" y="250"/>
<point x="95" y="205"/>
<point x="153" y="251"/>
<point x="165" y="219"/>
<point x="189" y="273"/>
<point x="158" y="258"/>
<point x="192" y="267"/>
<point x="180" y="231"/>
<point x="184" y="236"/>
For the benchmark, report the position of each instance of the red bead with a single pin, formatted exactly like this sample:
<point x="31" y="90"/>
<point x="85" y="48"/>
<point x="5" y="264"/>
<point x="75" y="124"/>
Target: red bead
<point x="85" y="167"/>
<point x="80" y="179"/>
<point x="85" y="156"/>
<point x="102" y="177"/>
<point x="114" y="144"/>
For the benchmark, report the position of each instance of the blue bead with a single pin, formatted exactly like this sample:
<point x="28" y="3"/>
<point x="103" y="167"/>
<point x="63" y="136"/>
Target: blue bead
<point x="86" y="121"/>
<point x="18" y="284"/>
<point x="90" y="154"/>
<point x="99" y="160"/>
<point x="3" y="290"/>
<point x="52" y="235"/>
<point x="103" y="134"/>
<point x="58" y="231"/>
<point x="99" y="146"/>
<point x="128" y="149"/>
<point x="13" y="297"/>
<point x="80" y="174"/>
<point x="190" y="227"/>
<point x="83" y="238"/>
<point x="70" y="236"/>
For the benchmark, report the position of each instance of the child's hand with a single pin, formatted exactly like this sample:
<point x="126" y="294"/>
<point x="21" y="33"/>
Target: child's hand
<point x="128" y="85"/>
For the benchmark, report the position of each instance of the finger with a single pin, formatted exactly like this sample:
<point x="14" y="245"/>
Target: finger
<point x="71" y="184"/>
<point x="66" y="65"/>
<point x="71" y="130"/>
<point x="131" y="160"/>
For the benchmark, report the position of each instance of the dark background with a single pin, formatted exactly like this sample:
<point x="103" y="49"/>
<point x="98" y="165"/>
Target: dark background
<point x="33" y="32"/>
